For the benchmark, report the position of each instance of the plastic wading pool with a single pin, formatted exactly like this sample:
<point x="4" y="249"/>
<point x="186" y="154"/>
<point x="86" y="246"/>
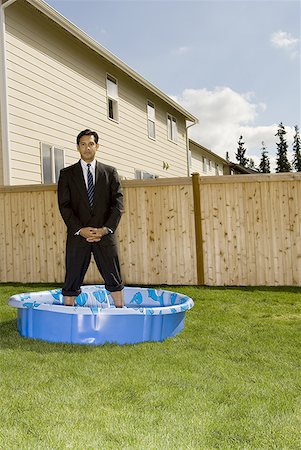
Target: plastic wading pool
<point x="148" y="315"/>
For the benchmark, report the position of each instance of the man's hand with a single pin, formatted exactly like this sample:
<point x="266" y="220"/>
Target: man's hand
<point x="93" y="234"/>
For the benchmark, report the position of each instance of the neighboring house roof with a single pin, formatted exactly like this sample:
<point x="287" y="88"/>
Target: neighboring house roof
<point x="241" y="169"/>
<point x="238" y="168"/>
<point x="87" y="40"/>
<point x="209" y="152"/>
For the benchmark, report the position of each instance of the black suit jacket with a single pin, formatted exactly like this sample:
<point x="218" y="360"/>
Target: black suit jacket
<point x="74" y="204"/>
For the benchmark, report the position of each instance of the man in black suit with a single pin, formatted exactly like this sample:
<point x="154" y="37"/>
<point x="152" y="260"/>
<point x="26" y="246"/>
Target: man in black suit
<point x="91" y="203"/>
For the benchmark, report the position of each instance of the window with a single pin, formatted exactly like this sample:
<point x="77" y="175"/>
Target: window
<point x="172" y="131"/>
<point x="151" y="125"/>
<point x="52" y="162"/>
<point x="112" y="98"/>
<point x="141" y="175"/>
<point x="204" y="164"/>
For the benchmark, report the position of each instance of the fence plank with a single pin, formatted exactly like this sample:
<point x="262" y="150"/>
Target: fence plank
<point x="198" y="227"/>
<point x="3" y="239"/>
<point x="8" y="238"/>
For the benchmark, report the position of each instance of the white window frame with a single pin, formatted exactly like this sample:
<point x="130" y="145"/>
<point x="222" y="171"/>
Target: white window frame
<point x="53" y="149"/>
<point x="112" y="98"/>
<point x="151" y="119"/>
<point x="171" y="134"/>
<point x="143" y="175"/>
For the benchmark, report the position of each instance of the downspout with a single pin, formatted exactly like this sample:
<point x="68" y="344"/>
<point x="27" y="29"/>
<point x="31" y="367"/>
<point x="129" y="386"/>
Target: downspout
<point x="4" y="99"/>
<point x="187" y="148"/>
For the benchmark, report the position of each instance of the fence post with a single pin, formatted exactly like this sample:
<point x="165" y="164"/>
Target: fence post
<point x="198" y="228"/>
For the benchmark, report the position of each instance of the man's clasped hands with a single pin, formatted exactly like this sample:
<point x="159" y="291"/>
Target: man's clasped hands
<point x="93" y="234"/>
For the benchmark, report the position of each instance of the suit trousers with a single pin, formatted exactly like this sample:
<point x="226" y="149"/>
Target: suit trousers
<point x="78" y="257"/>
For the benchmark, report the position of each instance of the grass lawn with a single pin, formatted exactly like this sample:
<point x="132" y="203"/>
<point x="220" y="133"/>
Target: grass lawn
<point x="230" y="380"/>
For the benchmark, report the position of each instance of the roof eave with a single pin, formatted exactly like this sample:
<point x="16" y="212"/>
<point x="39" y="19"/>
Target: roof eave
<point x="243" y="169"/>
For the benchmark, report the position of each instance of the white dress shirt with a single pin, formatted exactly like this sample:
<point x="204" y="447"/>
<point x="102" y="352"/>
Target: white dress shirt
<point x="85" y="170"/>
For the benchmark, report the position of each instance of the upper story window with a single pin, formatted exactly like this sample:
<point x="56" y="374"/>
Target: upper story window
<point x="52" y="162"/>
<point x="172" y="130"/>
<point x="112" y="98"/>
<point x="151" y="124"/>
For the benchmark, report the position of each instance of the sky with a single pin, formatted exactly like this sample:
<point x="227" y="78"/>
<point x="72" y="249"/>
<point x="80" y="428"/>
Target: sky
<point x="235" y="65"/>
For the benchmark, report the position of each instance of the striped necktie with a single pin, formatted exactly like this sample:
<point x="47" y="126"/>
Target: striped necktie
<point x="90" y="186"/>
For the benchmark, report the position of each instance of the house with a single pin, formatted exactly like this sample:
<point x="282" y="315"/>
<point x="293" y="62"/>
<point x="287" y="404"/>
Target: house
<point x="205" y="162"/>
<point x="57" y="81"/>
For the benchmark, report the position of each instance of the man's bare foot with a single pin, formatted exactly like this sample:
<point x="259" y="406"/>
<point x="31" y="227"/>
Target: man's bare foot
<point x="69" y="301"/>
<point x="118" y="299"/>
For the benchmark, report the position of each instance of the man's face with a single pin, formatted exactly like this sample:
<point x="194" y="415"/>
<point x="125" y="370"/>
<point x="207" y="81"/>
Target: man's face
<point x="87" y="148"/>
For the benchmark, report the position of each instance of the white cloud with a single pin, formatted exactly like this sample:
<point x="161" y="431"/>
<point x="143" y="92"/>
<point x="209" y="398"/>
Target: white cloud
<point x="282" y="39"/>
<point x="223" y="116"/>
<point x="285" y="41"/>
<point x="180" y="51"/>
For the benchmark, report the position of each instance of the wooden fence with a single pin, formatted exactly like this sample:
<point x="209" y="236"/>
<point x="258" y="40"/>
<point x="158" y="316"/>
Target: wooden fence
<point x="240" y="230"/>
<point x="252" y="230"/>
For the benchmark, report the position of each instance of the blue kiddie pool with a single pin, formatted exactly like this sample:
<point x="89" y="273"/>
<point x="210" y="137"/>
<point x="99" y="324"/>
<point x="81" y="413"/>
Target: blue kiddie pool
<point x="148" y="315"/>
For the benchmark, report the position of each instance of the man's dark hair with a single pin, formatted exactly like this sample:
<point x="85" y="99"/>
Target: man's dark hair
<point x="87" y="132"/>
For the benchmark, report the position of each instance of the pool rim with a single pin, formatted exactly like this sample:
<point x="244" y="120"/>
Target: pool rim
<point x="186" y="304"/>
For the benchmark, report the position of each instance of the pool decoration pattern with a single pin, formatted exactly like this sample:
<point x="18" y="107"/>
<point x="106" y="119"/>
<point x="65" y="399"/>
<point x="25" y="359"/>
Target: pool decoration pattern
<point x="148" y="315"/>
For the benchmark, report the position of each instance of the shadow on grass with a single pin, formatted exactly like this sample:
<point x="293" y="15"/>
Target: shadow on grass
<point x="10" y="339"/>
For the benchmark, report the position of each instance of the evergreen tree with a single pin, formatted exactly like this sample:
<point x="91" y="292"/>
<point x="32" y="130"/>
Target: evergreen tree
<point x="297" y="150"/>
<point x="251" y="164"/>
<point x="282" y="163"/>
<point x="241" y="151"/>
<point x="264" y="166"/>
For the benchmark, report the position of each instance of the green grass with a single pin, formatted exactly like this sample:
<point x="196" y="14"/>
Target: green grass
<point x="230" y="380"/>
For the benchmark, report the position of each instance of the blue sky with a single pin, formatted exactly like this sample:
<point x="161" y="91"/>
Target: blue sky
<point x="233" y="64"/>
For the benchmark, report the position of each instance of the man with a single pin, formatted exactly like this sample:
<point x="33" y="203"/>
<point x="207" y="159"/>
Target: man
<point x="91" y="203"/>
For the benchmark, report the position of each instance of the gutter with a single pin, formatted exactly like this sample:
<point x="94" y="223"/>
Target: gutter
<point x="188" y="153"/>
<point x="4" y="99"/>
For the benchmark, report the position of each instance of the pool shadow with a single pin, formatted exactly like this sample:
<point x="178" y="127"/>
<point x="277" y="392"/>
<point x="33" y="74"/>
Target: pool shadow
<point x="10" y="339"/>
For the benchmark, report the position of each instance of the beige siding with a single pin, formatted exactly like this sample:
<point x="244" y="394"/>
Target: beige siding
<point x="205" y="165"/>
<point x="205" y="162"/>
<point x="57" y="87"/>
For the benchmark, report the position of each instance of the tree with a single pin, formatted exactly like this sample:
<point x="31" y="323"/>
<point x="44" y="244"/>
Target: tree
<point x="282" y="163"/>
<point x="264" y="166"/>
<point x="251" y="164"/>
<point x="241" y="151"/>
<point x="297" y="150"/>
